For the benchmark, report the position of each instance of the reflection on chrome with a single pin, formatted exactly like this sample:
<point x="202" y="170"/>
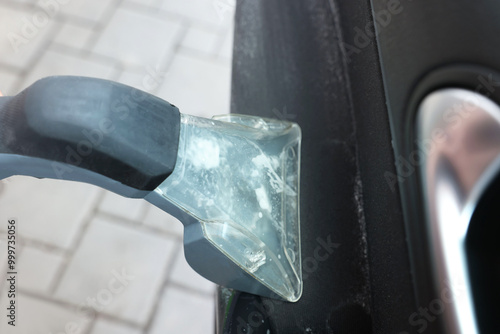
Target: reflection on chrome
<point x="461" y="130"/>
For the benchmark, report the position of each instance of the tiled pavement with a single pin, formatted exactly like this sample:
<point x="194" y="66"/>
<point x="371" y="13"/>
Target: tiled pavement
<point x="89" y="261"/>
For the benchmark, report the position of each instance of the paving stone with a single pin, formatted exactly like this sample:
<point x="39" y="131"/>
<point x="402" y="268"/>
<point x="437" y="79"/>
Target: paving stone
<point x="129" y="208"/>
<point x="216" y="12"/>
<point x="57" y="63"/>
<point x="184" y="275"/>
<point x="108" y="250"/>
<point x="147" y="3"/>
<point x="50" y="211"/>
<point x="35" y="316"/>
<point x="134" y="38"/>
<point x="158" y="218"/>
<point x="73" y="36"/>
<point x="104" y="326"/>
<point x="197" y="86"/>
<point x="37" y="269"/>
<point x="134" y="79"/>
<point x="200" y="40"/>
<point x="87" y="9"/>
<point x="7" y="82"/>
<point x="226" y="51"/>
<point x="147" y="79"/>
<point x="27" y="2"/>
<point x="183" y="312"/>
<point x="20" y="38"/>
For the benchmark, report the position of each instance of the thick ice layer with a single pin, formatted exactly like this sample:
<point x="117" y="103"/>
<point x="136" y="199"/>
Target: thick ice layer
<point x="239" y="177"/>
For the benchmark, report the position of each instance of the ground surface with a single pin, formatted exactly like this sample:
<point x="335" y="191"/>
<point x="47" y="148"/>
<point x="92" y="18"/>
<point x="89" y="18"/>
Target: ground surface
<point x="90" y="261"/>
